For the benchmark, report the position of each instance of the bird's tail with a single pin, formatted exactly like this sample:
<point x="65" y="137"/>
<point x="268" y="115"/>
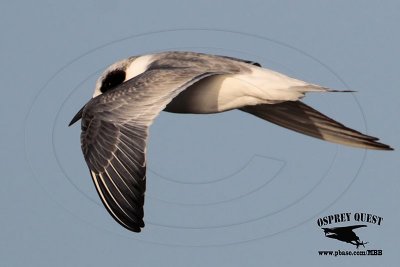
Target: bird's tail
<point x="299" y="117"/>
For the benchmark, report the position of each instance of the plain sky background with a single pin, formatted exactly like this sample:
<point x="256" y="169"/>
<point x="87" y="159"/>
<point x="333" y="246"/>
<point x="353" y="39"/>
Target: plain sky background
<point x="223" y="190"/>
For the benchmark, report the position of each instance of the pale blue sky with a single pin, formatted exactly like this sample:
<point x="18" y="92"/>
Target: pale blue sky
<point x="223" y="190"/>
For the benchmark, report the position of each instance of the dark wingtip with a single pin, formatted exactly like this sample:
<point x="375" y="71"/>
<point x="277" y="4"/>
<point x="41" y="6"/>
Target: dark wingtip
<point x="379" y="146"/>
<point x="372" y="143"/>
<point x="135" y="229"/>
<point x="389" y="148"/>
<point x="77" y="116"/>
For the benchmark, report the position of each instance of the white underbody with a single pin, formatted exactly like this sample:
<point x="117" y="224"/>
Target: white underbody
<point x="225" y="92"/>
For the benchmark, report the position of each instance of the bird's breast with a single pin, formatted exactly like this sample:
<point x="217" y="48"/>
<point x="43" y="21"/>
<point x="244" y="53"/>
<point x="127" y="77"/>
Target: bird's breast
<point x="214" y="94"/>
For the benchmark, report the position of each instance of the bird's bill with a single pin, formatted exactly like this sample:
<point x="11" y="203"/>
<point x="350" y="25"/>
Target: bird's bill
<point x="77" y="116"/>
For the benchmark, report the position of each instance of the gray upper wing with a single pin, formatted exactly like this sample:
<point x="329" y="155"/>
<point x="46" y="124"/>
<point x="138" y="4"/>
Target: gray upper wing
<point x="244" y="61"/>
<point x="356" y="226"/>
<point x="299" y="117"/>
<point x="115" y="130"/>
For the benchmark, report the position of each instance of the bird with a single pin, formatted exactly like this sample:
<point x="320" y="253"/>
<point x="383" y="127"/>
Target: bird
<point x="345" y="234"/>
<point x="130" y="94"/>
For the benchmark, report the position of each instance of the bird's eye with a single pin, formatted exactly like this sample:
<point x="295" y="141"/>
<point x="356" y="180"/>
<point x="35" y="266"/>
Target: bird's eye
<point x="114" y="78"/>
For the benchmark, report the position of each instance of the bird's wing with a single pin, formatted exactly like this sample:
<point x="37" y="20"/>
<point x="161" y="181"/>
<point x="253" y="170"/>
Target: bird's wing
<point x="355" y="226"/>
<point x="347" y="228"/>
<point x="114" y="134"/>
<point x="299" y="117"/>
<point x="243" y="60"/>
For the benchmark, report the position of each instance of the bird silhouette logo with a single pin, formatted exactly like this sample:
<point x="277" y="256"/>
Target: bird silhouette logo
<point x="345" y="234"/>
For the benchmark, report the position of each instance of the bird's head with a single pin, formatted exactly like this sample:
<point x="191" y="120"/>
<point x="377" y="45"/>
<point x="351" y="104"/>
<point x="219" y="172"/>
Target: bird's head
<point x="112" y="76"/>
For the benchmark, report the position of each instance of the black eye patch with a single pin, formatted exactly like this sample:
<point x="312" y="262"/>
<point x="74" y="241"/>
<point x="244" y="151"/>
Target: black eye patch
<point x="114" y="78"/>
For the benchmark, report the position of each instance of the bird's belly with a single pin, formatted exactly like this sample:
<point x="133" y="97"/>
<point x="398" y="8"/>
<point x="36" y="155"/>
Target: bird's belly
<point x="212" y="95"/>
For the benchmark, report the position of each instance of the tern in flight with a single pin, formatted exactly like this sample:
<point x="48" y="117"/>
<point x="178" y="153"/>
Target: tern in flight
<point x="345" y="234"/>
<point x="132" y="92"/>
